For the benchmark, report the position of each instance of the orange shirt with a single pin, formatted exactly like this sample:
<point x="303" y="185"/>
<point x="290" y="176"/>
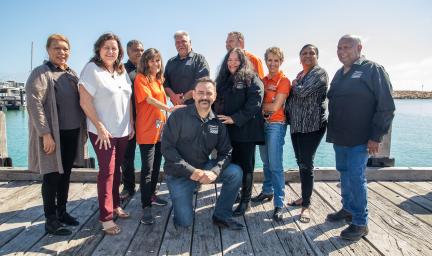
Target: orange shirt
<point x="257" y="64"/>
<point x="272" y="86"/>
<point x="149" y="119"/>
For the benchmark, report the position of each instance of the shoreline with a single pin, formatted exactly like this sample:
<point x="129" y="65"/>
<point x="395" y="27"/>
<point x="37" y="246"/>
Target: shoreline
<point x="405" y="94"/>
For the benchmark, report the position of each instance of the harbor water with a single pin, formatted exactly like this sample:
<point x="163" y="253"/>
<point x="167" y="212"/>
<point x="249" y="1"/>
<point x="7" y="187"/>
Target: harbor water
<point x="411" y="144"/>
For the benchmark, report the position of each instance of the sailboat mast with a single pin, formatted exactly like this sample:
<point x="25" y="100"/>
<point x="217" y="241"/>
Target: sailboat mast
<point x="31" y="57"/>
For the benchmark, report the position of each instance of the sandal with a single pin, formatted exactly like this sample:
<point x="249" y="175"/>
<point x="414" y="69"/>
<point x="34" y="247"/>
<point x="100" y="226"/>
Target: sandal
<point x="305" y="215"/>
<point x="121" y="213"/>
<point x="296" y="203"/>
<point x="110" y="228"/>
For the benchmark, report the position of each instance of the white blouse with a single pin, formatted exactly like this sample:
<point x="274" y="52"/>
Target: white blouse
<point x="111" y="98"/>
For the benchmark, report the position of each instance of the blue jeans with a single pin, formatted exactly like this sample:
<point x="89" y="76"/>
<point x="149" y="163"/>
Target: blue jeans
<point x="351" y="163"/>
<point x="271" y="156"/>
<point x="181" y="192"/>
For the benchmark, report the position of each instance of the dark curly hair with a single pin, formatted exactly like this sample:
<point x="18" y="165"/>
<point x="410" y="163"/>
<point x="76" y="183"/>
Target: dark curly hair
<point x="244" y="73"/>
<point x="118" y="65"/>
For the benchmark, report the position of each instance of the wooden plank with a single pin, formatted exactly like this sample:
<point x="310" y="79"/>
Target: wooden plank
<point x="10" y="188"/>
<point x="22" y="199"/>
<point x="85" y="241"/>
<point x="385" y="233"/>
<point x="289" y="234"/>
<point x="416" y="188"/>
<point x="426" y="185"/>
<point x="30" y="212"/>
<point x="3" y="135"/>
<point x="291" y="175"/>
<point x="148" y="238"/>
<point x="177" y="241"/>
<point x="128" y="229"/>
<point x="261" y="231"/>
<point x="86" y="206"/>
<point x="402" y="202"/>
<point x="409" y="194"/>
<point x="235" y="242"/>
<point x="206" y="236"/>
<point x="319" y="210"/>
<point x="317" y="239"/>
<point x="35" y="230"/>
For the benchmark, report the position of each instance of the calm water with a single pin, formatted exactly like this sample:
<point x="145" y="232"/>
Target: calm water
<point x="411" y="138"/>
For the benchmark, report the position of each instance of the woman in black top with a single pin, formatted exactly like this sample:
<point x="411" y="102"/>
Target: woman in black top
<point x="238" y="105"/>
<point x="307" y="114"/>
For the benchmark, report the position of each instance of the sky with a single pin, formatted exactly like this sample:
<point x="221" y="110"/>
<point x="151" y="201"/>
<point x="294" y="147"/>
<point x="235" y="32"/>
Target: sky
<point x="397" y="34"/>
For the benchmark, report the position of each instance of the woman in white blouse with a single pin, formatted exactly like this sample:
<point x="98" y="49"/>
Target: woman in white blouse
<point x="105" y="97"/>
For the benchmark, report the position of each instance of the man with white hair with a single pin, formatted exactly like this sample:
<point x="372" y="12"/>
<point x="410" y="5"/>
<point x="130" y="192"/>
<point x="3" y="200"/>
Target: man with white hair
<point x="183" y="70"/>
<point x="361" y="109"/>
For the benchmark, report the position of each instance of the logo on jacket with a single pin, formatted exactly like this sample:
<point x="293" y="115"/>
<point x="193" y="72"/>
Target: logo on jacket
<point x="357" y="74"/>
<point x="213" y="129"/>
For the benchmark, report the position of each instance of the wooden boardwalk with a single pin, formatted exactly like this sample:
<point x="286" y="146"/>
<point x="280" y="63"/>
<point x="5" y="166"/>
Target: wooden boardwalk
<point x="400" y="224"/>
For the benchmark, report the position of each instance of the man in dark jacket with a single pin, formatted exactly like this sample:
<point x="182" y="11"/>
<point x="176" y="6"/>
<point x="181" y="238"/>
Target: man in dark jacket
<point x="183" y="70"/>
<point x="361" y="109"/>
<point x="189" y="136"/>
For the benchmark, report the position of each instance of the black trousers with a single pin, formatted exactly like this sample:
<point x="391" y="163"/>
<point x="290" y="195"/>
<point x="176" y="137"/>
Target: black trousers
<point x="151" y="158"/>
<point x="128" y="167"/>
<point x="305" y="146"/>
<point x="55" y="186"/>
<point x="244" y="155"/>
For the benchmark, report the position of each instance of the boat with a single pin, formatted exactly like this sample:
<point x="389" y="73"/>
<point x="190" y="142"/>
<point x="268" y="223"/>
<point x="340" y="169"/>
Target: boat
<point x="12" y="98"/>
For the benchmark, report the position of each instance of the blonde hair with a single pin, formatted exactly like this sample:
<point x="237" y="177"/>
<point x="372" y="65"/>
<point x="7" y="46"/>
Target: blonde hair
<point x="276" y="51"/>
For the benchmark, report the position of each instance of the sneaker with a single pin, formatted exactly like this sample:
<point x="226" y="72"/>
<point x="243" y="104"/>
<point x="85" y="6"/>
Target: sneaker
<point x="261" y="198"/>
<point x="54" y="227"/>
<point x="340" y="215"/>
<point x="67" y="219"/>
<point x="155" y="200"/>
<point x="277" y="214"/>
<point x="228" y="223"/>
<point x="147" y="216"/>
<point x="354" y="232"/>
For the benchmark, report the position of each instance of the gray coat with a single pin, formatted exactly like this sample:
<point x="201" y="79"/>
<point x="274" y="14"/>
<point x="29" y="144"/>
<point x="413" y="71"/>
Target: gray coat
<point x="43" y="119"/>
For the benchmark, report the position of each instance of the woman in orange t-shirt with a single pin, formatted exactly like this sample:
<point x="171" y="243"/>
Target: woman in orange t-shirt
<point x="151" y="109"/>
<point x="276" y="90"/>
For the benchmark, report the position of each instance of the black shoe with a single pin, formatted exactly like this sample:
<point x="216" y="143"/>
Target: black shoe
<point x="126" y="194"/>
<point x="147" y="217"/>
<point x="340" y="215"/>
<point x="155" y="200"/>
<point x="228" y="223"/>
<point x="261" y="197"/>
<point x="354" y="232"/>
<point x="54" y="227"/>
<point x="241" y="208"/>
<point x="67" y="219"/>
<point x="277" y="214"/>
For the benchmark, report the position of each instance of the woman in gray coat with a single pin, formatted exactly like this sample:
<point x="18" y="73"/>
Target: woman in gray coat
<point x="56" y="131"/>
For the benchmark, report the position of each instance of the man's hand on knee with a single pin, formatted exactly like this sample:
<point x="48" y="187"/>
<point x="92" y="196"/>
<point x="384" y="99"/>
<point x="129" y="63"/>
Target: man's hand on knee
<point x="197" y="175"/>
<point x="208" y="177"/>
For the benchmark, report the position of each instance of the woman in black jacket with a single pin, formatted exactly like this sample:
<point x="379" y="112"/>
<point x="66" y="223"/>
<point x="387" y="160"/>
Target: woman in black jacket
<point x="238" y="105"/>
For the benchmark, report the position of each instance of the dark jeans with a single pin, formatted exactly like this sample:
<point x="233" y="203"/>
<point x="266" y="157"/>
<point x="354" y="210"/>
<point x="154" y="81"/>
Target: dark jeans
<point x="182" y="189"/>
<point x="151" y="158"/>
<point x="128" y="167"/>
<point x="55" y="186"/>
<point x="305" y="145"/>
<point x="244" y="155"/>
